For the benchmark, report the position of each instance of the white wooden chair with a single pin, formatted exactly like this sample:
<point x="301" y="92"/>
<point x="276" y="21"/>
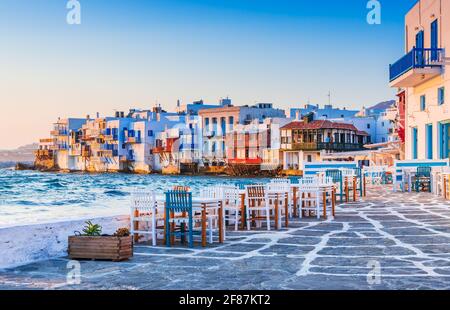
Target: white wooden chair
<point x="212" y="216"/>
<point x="280" y="193"/>
<point x="258" y="207"/>
<point x="231" y="201"/>
<point x="145" y="214"/>
<point x="309" y="195"/>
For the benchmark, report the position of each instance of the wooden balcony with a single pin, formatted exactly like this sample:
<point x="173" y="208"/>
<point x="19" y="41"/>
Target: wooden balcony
<point x="318" y="146"/>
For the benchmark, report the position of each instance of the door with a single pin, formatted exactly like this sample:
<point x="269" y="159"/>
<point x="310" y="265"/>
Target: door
<point x="434" y="40"/>
<point x="414" y="143"/>
<point x="419" y="49"/>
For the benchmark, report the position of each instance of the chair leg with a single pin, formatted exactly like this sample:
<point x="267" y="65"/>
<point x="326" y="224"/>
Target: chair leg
<point x="236" y="220"/>
<point x="318" y="205"/>
<point x="268" y="218"/>
<point x="153" y="230"/>
<point x="191" y="236"/>
<point x="247" y="212"/>
<point x="210" y="230"/>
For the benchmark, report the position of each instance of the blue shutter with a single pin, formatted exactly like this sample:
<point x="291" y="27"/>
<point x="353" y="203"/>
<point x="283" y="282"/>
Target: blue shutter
<point x="429" y="141"/>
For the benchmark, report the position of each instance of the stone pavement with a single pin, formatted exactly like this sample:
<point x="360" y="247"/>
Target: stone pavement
<point x="404" y="236"/>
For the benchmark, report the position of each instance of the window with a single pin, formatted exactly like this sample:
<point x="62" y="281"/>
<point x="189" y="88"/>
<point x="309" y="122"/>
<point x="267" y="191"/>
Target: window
<point x="423" y="103"/>
<point x="382" y="124"/>
<point x="383" y="140"/>
<point x="441" y="95"/>
<point x="368" y="126"/>
<point x="150" y="133"/>
<point x="309" y="158"/>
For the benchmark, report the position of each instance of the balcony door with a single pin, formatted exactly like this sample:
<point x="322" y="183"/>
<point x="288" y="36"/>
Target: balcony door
<point x="434" y="40"/>
<point x="419" y="47"/>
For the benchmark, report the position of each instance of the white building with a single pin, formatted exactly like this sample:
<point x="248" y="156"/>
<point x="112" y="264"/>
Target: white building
<point x="422" y="76"/>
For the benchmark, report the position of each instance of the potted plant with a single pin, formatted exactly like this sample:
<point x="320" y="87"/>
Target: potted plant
<point x="92" y="244"/>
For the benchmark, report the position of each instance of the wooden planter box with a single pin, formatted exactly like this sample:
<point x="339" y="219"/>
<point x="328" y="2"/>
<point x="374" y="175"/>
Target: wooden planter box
<point x="101" y="248"/>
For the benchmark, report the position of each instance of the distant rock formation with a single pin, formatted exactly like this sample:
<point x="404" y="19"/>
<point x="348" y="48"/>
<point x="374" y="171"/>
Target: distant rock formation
<point x="22" y="154"/>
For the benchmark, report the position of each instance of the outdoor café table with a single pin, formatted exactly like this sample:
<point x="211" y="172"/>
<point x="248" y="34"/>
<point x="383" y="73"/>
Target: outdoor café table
<point x="324" y="189"/>
<point x="349" y="178"/>
<point x="203" y="205"/>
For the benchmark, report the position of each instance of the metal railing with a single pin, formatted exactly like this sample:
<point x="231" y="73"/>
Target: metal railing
<point x="417" y="58"/>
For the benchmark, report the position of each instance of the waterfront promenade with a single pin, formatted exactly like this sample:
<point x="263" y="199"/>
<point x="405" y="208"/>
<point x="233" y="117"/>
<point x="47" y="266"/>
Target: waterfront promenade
<point x="407" y="234"/>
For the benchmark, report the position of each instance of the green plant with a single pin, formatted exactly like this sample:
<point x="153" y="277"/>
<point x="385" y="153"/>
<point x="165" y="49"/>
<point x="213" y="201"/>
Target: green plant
<point x="122" y="232"/>
<point x="92" y="229"/>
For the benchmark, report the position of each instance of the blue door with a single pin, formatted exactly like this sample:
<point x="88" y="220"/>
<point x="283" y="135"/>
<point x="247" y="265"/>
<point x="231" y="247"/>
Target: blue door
<point x="414" y="143"/>
<point x="444" y="140"/>
<point x="419" y="49"/>
<point x="434" y="40"/>
<point x="429" y="142"/>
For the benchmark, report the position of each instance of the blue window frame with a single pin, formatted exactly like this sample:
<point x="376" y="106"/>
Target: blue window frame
<point x="441" y="95"/>
<point x="429" y="141"/>
<point x="423" y="103"/>
<point x="150" y="133"/>
<point x="414" y="143"/>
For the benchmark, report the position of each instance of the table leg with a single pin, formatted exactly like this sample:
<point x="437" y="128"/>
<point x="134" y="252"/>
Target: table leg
<point x="286" y="206"/>
<point x="136" y="225"/>
<point x="172" y="228"/>
<point x="324" y="204"/>
<point x="276" y="213"/>
<point x="221" y="228"/>
<point x="354" y="189"/>
<point x="364" y="186"/>
<point x="203" y="226"/>
<point x="294" y="199"/>
<point x="243" y="219"/>
<point x="333" y="201"/>
<point x="346" y="190"/>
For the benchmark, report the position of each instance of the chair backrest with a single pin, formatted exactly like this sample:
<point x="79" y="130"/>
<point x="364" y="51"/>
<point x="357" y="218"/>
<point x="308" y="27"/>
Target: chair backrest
<point x="143" y="200"/>
<point x="212" y="192"/>
<point x="181" y="188"/>
<point x="280" y="181"/>
<point x="255" y="191"/>
<point x="231" y="195"/>
<point x="424" y="171"/>
<point x="315" y="167"/>
<point x="242" y="184"/>
<point x="335" y="174"/>
<point x="179" y="201"/>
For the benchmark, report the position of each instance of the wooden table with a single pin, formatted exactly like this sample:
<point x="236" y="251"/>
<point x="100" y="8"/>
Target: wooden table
<point x="203" y="205"/>
<point x="324" y="189"/>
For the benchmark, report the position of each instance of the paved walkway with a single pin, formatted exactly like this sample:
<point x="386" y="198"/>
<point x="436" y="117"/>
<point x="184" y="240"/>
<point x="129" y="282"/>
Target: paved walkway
<point x="388" y="241"/>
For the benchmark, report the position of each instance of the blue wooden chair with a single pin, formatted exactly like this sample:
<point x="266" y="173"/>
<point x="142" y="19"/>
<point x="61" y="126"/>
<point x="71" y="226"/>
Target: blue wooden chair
<point x="423" y="179"/>
<point x="360" y="180"/>
<point x="179" y="202"/>
<point x="336" y="175"/>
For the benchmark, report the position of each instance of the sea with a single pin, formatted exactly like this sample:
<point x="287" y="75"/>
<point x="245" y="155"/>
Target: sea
<point x="32" y="197"/>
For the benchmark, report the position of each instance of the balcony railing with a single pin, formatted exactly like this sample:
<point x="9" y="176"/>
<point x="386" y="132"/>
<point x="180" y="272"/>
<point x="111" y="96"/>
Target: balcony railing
<point x="133" y="140"/>
<point x="415" y="59"/>
<point x="317" y="146"/>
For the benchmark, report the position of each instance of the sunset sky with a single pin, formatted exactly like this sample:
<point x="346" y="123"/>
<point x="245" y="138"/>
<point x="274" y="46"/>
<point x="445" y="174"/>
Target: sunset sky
<point x="134" y="53"/>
